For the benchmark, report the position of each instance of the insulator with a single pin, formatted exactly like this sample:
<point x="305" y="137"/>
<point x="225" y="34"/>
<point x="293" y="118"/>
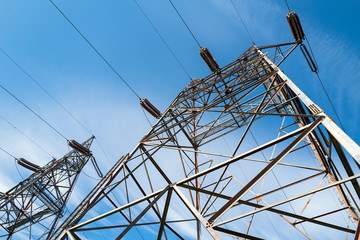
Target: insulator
<point x="79" y="147"/>
<point x="208" y="59"/>
<point x="295" y="26"/>
<point x="28" y="165"/>
<point x="150" y="108"/>
<point x="308" y="58"/>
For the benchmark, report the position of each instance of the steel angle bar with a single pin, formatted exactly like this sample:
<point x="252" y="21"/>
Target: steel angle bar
<point x="246" y="154"/>
<point x="286" y="186"/>
<point x="196" y="213"/>
<point x="263" y="172"/>
<point x="350" y="146"/>
<point x="276" y="45"/>
<point x="156" y="165"/>
<point x="345" y="163"/>
<point x="279" y="114"/>
<point x="147" y="208"/>
<point x="273" y="95"/>
<point x="357" y="233"/>
<point x="182" y="148"/>
<point x="120" y="208"/>
<point x="256" y="205"/>
<point x="136" y="225"/>
<point x="289" y="52"/>
<point x="305" y="99"/>
<point x="346" y="142"/>
<point x="163" y="218"/>
<point x="322" y="215"/>
<point x="258" y="109"/>
<point x="72" y="235"/>
<point x="285" y="164"/>
<point x="271" y="206"/>
<point x="156" y="212"/>
<point x="237" y="234"/>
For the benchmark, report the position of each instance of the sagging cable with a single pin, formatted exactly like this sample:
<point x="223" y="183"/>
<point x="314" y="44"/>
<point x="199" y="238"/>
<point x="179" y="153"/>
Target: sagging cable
<point x="309" y="59"/>
<point x="96" y="166"/>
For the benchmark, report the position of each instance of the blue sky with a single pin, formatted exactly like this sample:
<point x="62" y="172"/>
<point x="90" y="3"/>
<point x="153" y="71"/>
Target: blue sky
<point x="36" y="36"/>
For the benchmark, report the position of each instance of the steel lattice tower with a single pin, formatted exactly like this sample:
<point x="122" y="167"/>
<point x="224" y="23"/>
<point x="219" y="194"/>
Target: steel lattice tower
<point x="35" y="205"/>
<point x="282" y="159"/>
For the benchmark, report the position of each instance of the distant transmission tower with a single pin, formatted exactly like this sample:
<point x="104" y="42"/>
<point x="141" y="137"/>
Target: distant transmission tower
<point x="34" y="206"/>
<point x="282" y="168"/>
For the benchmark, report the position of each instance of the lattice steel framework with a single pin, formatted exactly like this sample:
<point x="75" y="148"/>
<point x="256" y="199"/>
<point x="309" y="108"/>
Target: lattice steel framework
<point x="282" y="160"/>
<point x="35" y="205"/>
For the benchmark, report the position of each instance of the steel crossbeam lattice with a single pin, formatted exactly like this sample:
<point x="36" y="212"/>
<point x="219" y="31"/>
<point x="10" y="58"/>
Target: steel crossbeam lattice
<point x="41" y="198"/>
<point x="283" y="160"/>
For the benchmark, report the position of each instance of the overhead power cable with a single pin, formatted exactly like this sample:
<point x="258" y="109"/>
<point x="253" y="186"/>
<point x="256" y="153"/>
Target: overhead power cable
<point x="56" y="101"/>
<point x="47" y="92"/>
<point x="93" y="47"/>
<point x="287" y="5"/>
<point x="42" y="119"/>
<point x="162" y="39"/>
<point x="182" y="19"/>
<point x="7" y="153"/>
<point x="328" y="97"/>
<point x="243" y="23"/>
<point x="27" y="137"/>
<point x="323" y="86"/>
<point x="17" y="169"/>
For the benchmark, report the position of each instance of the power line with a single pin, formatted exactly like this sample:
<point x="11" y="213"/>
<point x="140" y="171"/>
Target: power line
<point x="47" y="92"/>
<point x="185" y="23"/>
<point x="146" y="117"/>
<point x="7" y="153"/>
<point x="42" y="119"/>
<point x="93" y="47"/>
<point x="287" y="5"/>
<point x="162" y="39"/>
<point x="17" y="169"/>
<point x="323" y="86"/>
<point x="27" y="137"/>
<point x="243" y="23"/>
<point x="332" y="106"/>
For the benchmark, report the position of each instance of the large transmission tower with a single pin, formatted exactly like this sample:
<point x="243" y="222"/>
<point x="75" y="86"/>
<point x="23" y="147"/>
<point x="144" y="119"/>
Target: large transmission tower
<point x="282" y="166"/>
<point x="34" y="206"/>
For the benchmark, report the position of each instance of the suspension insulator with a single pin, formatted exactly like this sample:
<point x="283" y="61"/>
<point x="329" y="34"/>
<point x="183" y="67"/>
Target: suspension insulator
<point x="28" y="165"/>
<point x="308" y="58"/>
<point x="295" y="26"/>
<point x="79" y="147"/>
<point x="150" y="108"/>
<point x="209" y="59"/>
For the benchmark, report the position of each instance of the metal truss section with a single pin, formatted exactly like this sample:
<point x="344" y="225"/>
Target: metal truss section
<point x="41" y="198"/>
<point x="283" y="168"/>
